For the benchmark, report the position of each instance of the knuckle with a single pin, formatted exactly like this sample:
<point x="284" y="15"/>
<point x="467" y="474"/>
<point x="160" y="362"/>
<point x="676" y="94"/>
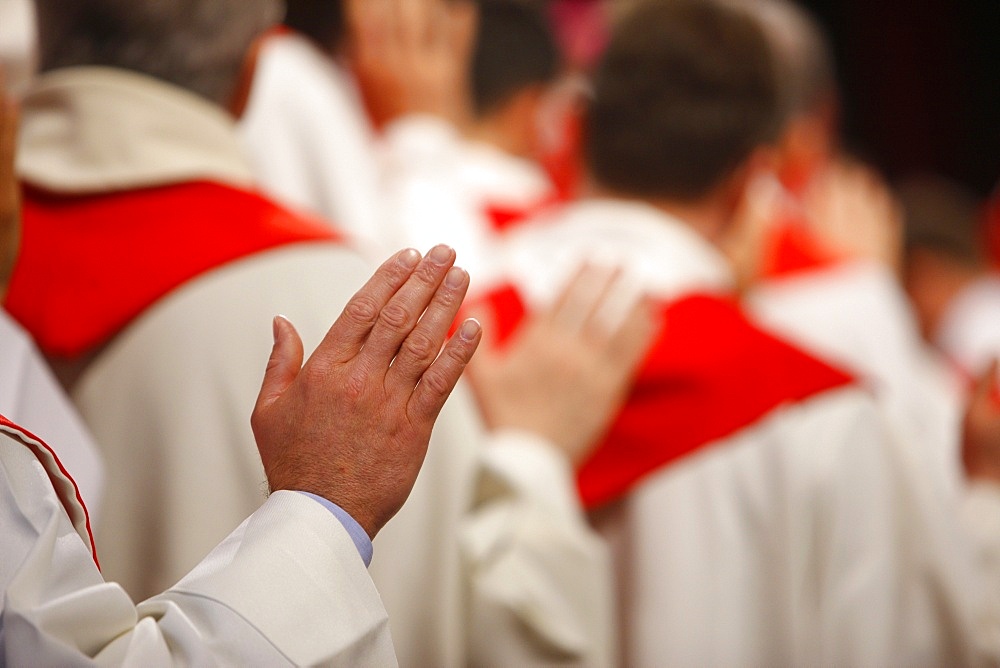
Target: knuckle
<point x="394" y="316"/>
<point x="437" y="382"/>
<point x="362" y="310"/>
<point x="427" y="274"/>
<point x="420" y="346"/>
<point x="356" y="384"/>
<point x="448" y="296"/>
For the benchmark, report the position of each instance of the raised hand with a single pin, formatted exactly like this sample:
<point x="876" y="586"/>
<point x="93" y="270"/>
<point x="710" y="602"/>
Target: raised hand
<point x="413" y="56"/>
<point x="568" y="370"/>
<point x="855" y="214"/>
<point x="352" y="425"/>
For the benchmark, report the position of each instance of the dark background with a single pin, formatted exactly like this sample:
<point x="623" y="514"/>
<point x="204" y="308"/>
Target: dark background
<point x="921" y="84"/>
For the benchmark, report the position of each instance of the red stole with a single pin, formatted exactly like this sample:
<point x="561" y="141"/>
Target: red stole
<point x="62" y="482"/>
<point x="504" y="217"/>
<point x="91" y="264"/>
<point x="710" y="373"/>
<point x="792" y="248"/>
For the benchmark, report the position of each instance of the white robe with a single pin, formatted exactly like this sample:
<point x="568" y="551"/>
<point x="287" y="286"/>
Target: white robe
<point x="440" y="188"/>
<point x="969" y="332"/>
<point x="31" y="397"/>
<point x="286" y="588"/>
<point x="309" y="141"/>
<point x="812" y="536"/>
<point x="489" y="562"/>
<point x="857" y="314"/>
<point x="18" y="43"/>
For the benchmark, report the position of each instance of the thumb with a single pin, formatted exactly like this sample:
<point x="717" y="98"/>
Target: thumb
<point x="284" y="363"/>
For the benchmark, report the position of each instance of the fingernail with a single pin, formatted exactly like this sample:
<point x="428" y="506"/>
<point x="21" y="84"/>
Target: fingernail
<point x="469" y="329"/>
<point x="440" y="254"/>
<point x="409" y="258"/>
<point x="456" y="277"/>
<point x="275" y="327"/>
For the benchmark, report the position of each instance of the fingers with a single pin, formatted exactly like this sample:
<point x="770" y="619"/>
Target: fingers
<point x="396" y="319"/>
<point x="351" y="330"/>
<point x="630" y="343"/>
<point x="483" y="314"/>
<point x="284" y="364"/>
<point x="423" y="344"/>
<point x="440" y="378"/>
<point x="580" y="299"/>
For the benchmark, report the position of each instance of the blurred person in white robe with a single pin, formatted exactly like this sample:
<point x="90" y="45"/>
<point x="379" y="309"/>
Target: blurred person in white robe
<point x="761" y="506"/>
<point x="355" y="453"/>
<point x="347" y="94"/>
<point x="332" y="125"/>
<point x="948" y="275"/>
<point x="137" y="163"/>
<point x="494" y="177"/>
<point x="819" y="258"/>
<point x="29" y="394"/>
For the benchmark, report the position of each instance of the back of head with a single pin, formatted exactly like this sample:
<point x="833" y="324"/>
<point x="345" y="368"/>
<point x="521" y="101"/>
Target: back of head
<point x="686" y="91"/>
<point x="515" y="49"/>
<point x="199" y="45"/>
<point x="322" y="21"/>
<point x="943" y="218"/>
<point x="803" y="57"/>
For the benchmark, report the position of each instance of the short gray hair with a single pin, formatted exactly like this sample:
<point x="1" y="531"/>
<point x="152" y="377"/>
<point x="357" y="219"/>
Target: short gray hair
<point x="198" y="45"/>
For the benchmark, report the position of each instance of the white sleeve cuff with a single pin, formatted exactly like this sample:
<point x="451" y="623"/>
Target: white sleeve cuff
<point x="533" y="467"/>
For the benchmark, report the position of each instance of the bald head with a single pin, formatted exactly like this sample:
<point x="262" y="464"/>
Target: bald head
<point x="198" y="45"/>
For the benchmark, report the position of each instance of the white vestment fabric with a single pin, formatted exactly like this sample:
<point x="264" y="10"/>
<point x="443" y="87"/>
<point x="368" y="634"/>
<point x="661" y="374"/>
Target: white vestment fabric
<point x="441" y="188"/>
<point x="489" y="562"/>
<point x="308" y="139"/>
<point x="418" y="183"/>
<point x="812" y="536"/>
<point x="285" y="588"/>
<point x="969" y="332"/>
<point x="856" y="314"/>
<point x="18" y="43"/>
<point x="32" y="397"/>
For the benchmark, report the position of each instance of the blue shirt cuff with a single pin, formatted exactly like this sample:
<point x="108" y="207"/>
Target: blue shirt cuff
<point x="354" y="530"/>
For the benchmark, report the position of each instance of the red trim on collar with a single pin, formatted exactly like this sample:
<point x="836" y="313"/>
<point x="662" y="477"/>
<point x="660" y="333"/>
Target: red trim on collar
<point x="65" y="487"/>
